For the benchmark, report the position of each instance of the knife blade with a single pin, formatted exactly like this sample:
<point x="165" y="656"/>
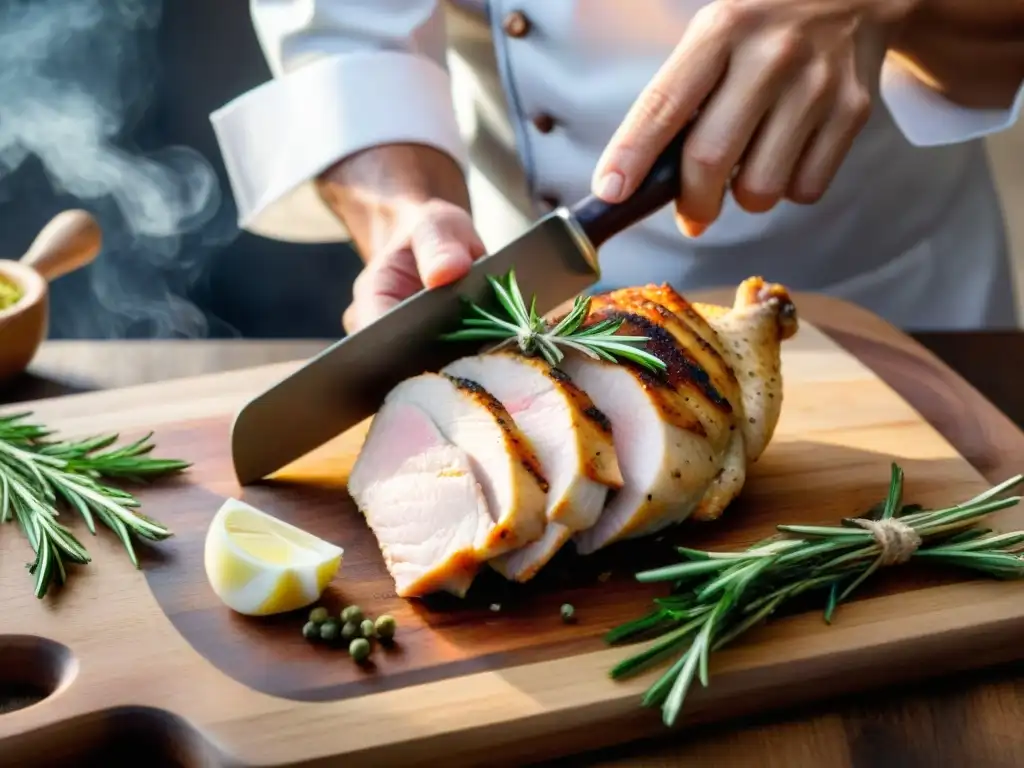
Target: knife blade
<point x="555" y="260"/>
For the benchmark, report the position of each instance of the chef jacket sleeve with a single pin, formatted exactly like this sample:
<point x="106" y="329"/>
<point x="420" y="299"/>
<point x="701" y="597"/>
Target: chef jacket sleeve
<point x="347" y="75"/>
<point x="928" y="119"/>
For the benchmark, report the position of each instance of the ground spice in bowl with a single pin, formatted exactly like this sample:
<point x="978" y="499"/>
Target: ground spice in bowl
<point x="10" y="293"/>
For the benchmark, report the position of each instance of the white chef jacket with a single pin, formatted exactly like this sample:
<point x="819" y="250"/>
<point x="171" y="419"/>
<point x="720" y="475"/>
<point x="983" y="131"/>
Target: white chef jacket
<point x="525" y="95"/>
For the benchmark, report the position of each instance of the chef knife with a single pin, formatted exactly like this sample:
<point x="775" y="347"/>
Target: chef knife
<point x="555" y="260"/>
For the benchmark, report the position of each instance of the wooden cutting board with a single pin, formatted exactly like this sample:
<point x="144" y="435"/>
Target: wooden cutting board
<point x="152" y="661"/>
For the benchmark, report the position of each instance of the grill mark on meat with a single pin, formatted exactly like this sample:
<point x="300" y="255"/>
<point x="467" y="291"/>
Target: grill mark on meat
<point x="523" y="452"/>
<point x="667" y="297"/>
<point x="581" y="399"/>
<point x="682" y="373"/>
<point x="597" y="416"/>
<point x="697" y="341"/>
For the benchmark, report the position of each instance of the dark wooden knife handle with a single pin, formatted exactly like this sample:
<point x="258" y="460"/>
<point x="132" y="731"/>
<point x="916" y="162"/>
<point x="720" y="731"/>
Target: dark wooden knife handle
<point x="601" y="220"/>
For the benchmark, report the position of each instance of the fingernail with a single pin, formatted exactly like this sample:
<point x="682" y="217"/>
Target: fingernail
<point x="693" y="228"/>
<point x="609" y="186"/>
<point x="445" y="267"/>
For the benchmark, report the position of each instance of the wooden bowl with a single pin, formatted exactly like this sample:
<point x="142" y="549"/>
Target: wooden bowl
<point x="70" y="241"/>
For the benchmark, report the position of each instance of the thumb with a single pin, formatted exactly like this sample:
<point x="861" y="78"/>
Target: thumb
<point x="445" y="245"/>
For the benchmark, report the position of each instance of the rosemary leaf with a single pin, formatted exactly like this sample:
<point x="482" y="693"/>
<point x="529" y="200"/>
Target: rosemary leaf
<point x="535" y="336"/>
<point x="717" y="596"/>
<point x="38" y="473"/>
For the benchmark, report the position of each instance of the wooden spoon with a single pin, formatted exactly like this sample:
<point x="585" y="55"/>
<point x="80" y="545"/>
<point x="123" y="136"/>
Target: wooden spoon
<point x="68" y="242"/>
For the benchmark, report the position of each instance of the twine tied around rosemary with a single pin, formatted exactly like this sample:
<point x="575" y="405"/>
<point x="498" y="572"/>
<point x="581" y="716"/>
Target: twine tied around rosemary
<point x="897" y="540"/>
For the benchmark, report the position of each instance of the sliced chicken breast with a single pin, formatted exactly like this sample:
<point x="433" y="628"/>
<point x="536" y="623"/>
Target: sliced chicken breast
<point x="671" y="432"/>
<point x="422" y="502"/>
<point x="571" y="438"/>
<point x="504" y="464"/>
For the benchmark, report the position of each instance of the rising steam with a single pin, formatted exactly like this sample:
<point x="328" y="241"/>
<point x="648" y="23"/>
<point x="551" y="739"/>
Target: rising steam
<point x="75" y="77"/>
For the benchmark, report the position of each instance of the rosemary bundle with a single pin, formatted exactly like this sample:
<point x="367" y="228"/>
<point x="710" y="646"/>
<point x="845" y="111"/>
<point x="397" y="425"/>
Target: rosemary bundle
<point x="535" y="335"/>
<point x="37" y="473"/>
<point x="717" y="596"/>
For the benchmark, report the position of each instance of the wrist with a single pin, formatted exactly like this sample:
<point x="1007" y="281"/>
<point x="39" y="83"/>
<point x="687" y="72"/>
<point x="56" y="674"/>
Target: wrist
<point x="373" y="191"/>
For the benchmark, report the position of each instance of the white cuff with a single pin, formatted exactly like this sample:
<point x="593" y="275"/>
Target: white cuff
<point x="278" y="137"/>
<point x="928" y="119"/>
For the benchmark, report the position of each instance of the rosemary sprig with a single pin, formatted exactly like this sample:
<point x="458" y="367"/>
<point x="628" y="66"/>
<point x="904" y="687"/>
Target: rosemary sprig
<point x="535" y="335"/>
<point x="37" y="473"/>
<point x="717" y="596"/>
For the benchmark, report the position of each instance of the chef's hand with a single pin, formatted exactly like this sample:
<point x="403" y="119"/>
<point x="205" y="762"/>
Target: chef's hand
<point x="432" y="244"/>
<point x="783" y="88"/>
<point x="406" y="207"/>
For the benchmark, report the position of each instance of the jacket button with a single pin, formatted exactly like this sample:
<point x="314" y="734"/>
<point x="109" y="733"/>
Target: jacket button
<point x="544" y="122"/>
<point x="516" y="24"/>
<point x="551" y="201"/>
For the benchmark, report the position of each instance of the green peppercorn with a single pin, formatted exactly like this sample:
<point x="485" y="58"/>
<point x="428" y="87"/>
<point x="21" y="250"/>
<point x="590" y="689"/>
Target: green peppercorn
<point x="568" y="613"/>
<point x="311" y="631"/>
<point x="353" y="613"/>
<point x="366" y="628"/>
<point x="359" y="649"/>
<point x="349" y="631"/>
<point x="385" y="627"/>
<point x="330" y="630"/>
<point x="319" y="615"/>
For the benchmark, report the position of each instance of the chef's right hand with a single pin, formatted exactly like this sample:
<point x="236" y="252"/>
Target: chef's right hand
<point x="431" y="244"/>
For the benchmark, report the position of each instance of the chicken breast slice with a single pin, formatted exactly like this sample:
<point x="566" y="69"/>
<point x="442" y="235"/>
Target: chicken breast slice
<point x="504" y="464"/>
<point x="706" y="352"/>
<point x="571" y="438"/>
<point x="671" y="433"/>
<point x="422" y="501"/>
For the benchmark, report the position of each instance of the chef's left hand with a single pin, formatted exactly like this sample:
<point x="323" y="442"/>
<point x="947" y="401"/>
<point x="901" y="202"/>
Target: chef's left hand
<point x="783" y="88"/>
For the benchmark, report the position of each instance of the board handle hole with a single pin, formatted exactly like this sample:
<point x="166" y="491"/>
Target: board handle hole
<point x="31" y="670"/>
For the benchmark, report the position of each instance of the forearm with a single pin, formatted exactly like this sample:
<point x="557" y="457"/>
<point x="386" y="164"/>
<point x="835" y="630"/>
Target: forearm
<point x="970" y="51"/>
<point x="368" y="190"/>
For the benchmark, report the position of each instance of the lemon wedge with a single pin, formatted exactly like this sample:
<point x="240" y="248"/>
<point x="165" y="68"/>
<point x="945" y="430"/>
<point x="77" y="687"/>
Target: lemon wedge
<point x="260" y="565"/>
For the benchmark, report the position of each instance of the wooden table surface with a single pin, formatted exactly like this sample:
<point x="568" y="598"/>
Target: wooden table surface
<point x="969" y="720"/>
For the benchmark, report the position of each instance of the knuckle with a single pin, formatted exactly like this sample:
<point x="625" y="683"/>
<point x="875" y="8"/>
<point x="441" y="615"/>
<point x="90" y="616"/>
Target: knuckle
<point x="658" y="108"/>
<point x="819" y="80"/>
<point x="707" y="157"/>
<point x="855" y="104"/>
<point x="729" y="15"/>
<point x="785" y="48"/>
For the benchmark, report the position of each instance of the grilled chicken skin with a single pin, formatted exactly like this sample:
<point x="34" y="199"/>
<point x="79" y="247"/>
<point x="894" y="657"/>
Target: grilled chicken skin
<point x="697" y="339"/>
<point x="670" y="432"/>
<point x="723" y="374"/>
<point x="705" y="350"/>
<point x="571" y="438"/>
<point x="752" y="332"/>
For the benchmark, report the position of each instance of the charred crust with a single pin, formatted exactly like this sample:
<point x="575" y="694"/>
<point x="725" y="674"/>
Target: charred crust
<point x="559" y="375"/>
<point x="530" y="465"/>
<point x="507" y="424"/>
<point x="681" y="368"/>
<point x="582" y="400"/>
<point x="596" y="415"/>
<point x="681" y="363"/>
